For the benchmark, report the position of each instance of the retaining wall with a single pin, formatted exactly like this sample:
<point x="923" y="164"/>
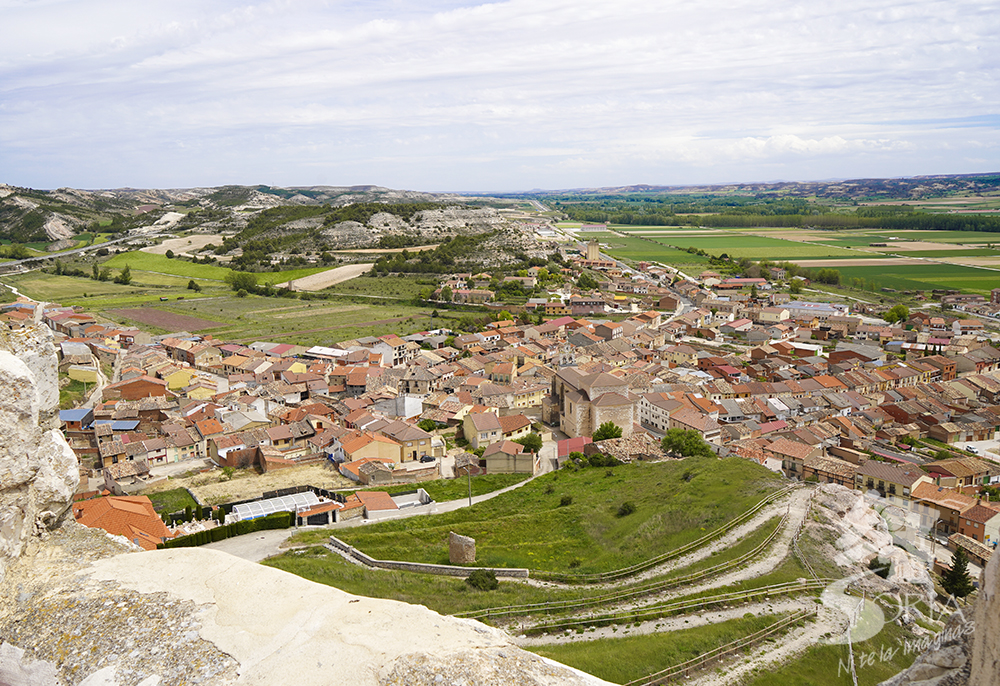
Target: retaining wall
<point x="420" y="567"/>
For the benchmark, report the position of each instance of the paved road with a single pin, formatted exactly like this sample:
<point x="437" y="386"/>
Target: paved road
<point x="263" y="544"/>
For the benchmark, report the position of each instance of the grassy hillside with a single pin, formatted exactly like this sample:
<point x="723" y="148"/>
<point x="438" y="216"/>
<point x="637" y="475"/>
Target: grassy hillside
<point x="675" y="503"/>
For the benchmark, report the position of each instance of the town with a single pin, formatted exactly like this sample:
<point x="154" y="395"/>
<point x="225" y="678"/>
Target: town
<point x="642" y="355"/>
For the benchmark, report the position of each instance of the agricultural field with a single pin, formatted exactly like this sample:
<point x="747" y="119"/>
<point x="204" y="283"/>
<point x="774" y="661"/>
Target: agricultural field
<point x="924" y="277"/>
<point x="639" y="248"/>
<point x="161" y="264"/>
<point x="313" y="322"/>
<point x="317" y="322"/>
<point x="739" y="245"/>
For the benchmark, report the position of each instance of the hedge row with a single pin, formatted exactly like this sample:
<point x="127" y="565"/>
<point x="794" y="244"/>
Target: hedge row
<point x="275" y="520"/>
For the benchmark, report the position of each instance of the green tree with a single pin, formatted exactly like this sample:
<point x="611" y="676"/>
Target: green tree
<point x="427" y="424"/>
<point x="956" y="581"/>
<point x="242" y="281"/>
<point x="586" y="282"/>
<point x="795" y="287"/>
<point x="125" y="276"/>
<point x="504" y="315"/>
<point x="686" y="443"/>
<point x="532" y="442"/>
<point x="899" y="313"/>
<point x="194" y="286"/>
<point x="753" y="291"/>
<point x="105" y="274"/>
<point x="446" y="293"/>
<point x="607" y="430"/>
<point x="96" y="271"/>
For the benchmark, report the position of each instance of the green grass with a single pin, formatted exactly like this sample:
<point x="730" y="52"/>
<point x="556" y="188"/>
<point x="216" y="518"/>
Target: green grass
<point x="318" y="322"/>
<point x="945" y="254"/>
<point x="676" y="503"/>
<point x="823" y="665"/>
<point x="72" y="394"/>
<point x="444" y="490"/>
<point x="924" y="277"/>
<point x="282" y="319"/>
<point x="638" y="248"/>
<point x="394" y="286"/>
<point x="447" y="595"/>
<point x="161" y="263"/>
<point x="429" y="590"/>
<point x="620" y="660"/>
<point x="171" y="501"/>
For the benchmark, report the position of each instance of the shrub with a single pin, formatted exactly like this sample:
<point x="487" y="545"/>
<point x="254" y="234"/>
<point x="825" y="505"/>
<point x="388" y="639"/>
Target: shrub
<point x="483" y="580"/>
<point x="566" y="501"/>
<point x="879" y="566"/>
<point x="626" y="508"/>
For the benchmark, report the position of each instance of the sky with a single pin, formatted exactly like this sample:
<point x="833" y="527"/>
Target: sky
<point x="444" y="95"/>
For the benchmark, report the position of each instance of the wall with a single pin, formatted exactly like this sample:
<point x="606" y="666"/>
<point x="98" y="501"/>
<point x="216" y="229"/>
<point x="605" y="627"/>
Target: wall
<point x="38" y="469"/>
<point x="441" y="570"/>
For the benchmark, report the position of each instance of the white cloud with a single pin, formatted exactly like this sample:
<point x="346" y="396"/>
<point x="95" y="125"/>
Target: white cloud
<point x="459" y="95"/>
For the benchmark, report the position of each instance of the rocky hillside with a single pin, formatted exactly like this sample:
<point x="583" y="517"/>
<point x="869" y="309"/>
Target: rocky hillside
<point x="311" y="218"/>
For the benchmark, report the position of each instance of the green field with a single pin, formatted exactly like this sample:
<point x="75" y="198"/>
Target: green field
<point x="824" y="665"/>
<point x="620" y="660"/>
<point x="316" y="322"/>
<point x="676" y="502"/>
<point x="924" y="277"/>
<point x="945" y="254"/>
<point x="637" y="248"/>
<point x="863" y="238"/>
<point x="320" y="322"/>
<point x="162" y="264"/>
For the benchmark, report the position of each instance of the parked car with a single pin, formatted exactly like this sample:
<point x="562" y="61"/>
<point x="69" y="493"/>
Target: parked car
<point x="427" y="458"/>
<point x="971" y="449"/>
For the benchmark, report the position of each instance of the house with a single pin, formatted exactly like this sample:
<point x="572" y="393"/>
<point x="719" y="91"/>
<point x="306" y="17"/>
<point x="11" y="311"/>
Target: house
<point x="135" y="388"/>
<point x="514" y="426"/>
<point x="507" y="457"/>
<point x="891" y="481"/>
<point x="367" y="444"/>
<point x="981" y="523"/>
<point x="482" y="429"/>
<point x="130" y="516"/>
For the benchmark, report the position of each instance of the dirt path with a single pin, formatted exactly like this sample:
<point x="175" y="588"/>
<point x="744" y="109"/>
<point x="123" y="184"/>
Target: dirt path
<point x="667" y="624"/>
<point x="416" y="248"/>
<point x="797" y="500"/>
<point x="321" y="280"/>
<point x="774" y="653"/>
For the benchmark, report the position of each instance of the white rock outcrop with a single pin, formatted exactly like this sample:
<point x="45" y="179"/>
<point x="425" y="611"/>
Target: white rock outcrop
<point x="38" y="469"/>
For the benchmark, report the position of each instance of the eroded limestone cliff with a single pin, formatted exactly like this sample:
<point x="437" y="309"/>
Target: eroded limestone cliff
<point x="38" y="470"/>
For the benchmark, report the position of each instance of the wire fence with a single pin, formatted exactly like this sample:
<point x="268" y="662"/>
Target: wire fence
<point x="684" y="669"/>
<point x="631" y="593"/>
<point x="614" y="575"/>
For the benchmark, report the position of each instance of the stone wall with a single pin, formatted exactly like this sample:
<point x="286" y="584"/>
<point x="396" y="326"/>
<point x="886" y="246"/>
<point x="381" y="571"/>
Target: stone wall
<point x="420" y="567"/>
<point x="986" y="643"/>
<point x="38" y="469"/>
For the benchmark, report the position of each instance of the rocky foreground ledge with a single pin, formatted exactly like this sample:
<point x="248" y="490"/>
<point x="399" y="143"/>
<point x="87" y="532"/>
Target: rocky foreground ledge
<point x="74" y="609"/>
